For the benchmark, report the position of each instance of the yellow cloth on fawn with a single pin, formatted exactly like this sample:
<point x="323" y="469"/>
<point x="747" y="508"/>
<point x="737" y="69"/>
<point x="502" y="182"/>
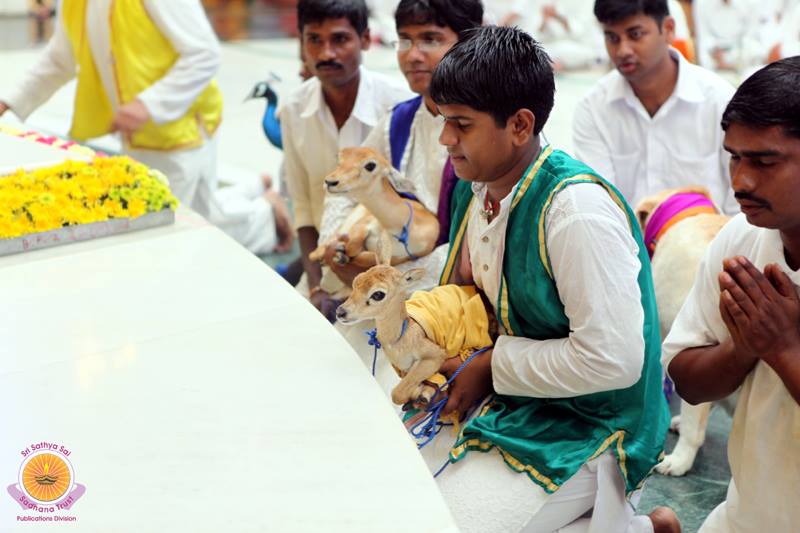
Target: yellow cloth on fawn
<point x="452" y="316"/>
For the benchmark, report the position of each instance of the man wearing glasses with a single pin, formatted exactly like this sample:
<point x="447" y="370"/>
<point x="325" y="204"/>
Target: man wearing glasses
<point x="408" y="135"/>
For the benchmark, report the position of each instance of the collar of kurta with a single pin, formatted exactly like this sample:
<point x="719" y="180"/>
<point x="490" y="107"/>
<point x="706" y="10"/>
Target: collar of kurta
<point x="686" y="88"/>
<point x="364" y="107"/>
<point x="522" y="186"/>
<point x="677" y="207"/>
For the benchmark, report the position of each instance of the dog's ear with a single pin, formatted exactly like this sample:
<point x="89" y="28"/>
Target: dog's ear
<point x="699" y="189"/>
<point x="645" y="209"/>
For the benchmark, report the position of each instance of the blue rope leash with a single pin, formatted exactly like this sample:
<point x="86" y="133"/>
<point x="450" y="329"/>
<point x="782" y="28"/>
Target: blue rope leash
<point x="404" y="233"/>
<point x="445" y="465"/>
<point x="373" y="341"/>
<point x="429" y="426"/>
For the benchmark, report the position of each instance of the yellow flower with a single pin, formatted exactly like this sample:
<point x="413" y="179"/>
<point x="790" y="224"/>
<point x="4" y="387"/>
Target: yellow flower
<point x="77" y="192"/>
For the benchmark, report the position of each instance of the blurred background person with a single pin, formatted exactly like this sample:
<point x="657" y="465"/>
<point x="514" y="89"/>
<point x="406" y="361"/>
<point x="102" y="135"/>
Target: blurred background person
<point x="566" y="29"/>
<point x="733" y="35"/>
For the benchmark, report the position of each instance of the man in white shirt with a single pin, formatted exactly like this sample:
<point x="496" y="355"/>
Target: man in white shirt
<point x="740" y="325"/>
<point x="733" y="34"/>
<point x="335" y="109"/>
<point x="565" y="28"/>
<point x="653" y="123"/>
<point x="166" y="107"/>
<point x="408" y="135"/>
<point x="577" y="419"/>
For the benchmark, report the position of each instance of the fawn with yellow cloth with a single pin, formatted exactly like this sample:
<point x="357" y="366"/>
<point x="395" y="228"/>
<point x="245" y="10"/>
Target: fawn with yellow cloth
<point x="419" y="333"/>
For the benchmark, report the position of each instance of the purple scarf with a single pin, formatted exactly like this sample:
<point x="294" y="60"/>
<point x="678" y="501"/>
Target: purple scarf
<point x="449" y="180"/>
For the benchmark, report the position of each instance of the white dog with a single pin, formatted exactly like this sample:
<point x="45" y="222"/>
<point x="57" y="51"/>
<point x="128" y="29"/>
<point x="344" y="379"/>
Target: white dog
<point x="678" y="225"/>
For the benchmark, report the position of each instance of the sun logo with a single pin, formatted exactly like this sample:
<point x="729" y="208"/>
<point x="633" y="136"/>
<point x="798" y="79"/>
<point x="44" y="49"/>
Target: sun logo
<point x="46" y="477"/>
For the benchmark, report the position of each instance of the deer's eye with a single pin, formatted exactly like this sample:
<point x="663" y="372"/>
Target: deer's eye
<point x="370" y="166"/>
<point x="377" y="296"/>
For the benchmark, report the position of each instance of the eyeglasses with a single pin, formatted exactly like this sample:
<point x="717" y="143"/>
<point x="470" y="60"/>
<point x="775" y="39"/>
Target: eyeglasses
<point x="424" y="45"/>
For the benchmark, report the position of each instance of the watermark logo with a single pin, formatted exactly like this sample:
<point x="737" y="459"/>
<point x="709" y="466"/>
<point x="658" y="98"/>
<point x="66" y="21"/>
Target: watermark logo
<point x="46" y="482"/>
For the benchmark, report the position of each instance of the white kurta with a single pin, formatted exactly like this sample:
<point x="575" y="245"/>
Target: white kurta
<point x="595" y="265"/>
<point x="191" y="172"/>
<point x="642" y="155"/>
<point x="740" y="28"/>
<point x="764" y="444"/>
<point x="789" y="36"/>
<point x="311" y="140"/>
<point x="590" y="246"/>
<point x="579" y="45"/>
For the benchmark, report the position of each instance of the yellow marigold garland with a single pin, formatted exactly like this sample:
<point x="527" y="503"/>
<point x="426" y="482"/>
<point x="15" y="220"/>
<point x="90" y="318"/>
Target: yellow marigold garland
<point x="77" y="192"/>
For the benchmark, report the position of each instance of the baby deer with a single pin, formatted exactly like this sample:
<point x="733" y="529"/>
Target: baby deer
<point x="363" y="175"/>
<point x="380" y="293"/>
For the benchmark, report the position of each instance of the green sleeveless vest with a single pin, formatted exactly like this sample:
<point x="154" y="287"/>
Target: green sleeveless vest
<point x="550" y="439"/>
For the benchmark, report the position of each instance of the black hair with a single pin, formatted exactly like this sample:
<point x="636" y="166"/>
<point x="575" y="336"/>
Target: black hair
<point x="458" y="15"/>
<point x="770" y="97"/>
<point x="612" y="11"/>
<point x="499" y="71"/>
<point x="310" y="11"/>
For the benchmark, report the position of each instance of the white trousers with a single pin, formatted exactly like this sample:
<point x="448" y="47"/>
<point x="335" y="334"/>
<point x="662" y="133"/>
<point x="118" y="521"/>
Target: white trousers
<point x="486" y="496"/>
<point x="241" y="213"/>
<point x="574" y="55"/>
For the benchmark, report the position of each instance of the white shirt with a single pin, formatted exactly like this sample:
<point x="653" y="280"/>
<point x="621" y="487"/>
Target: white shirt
<point x="741" y="28"/>
<point x="764" y="444"/>
<point x="583" y="26"/>
<point x="790" y="30"/>
<point x="182" y="22"/>
<point x="642" y="155"/>
<point x="494" y="11"/>
<point x="311" y="141"/>
<point x="595" y="266"/>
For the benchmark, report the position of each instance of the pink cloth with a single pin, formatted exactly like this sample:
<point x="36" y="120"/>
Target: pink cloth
<point x="668" y="210"/>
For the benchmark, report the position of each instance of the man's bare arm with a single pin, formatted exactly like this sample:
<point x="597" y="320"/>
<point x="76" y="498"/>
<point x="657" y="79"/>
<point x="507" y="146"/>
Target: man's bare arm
<point x="709" y="373"/>
<point x="308" y="237"/>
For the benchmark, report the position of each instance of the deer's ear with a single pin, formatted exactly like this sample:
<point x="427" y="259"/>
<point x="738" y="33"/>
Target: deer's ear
<point x="384" y="251"/>
<point x="413" y="275"/>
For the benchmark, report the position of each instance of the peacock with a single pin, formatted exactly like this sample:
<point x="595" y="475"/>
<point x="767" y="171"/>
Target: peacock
<point x="272" y="130"/>
<point x="269" y="123"/>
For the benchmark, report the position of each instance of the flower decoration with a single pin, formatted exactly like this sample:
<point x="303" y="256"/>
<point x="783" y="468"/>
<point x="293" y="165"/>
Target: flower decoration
<point x="78" y="192"/>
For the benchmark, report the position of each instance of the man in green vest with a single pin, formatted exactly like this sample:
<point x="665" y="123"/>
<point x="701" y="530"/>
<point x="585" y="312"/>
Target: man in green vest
<point x="576" y="418"/>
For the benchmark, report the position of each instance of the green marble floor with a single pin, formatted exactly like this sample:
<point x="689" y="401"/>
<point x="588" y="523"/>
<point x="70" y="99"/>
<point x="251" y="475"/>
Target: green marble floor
<point x="694" y="495"/>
